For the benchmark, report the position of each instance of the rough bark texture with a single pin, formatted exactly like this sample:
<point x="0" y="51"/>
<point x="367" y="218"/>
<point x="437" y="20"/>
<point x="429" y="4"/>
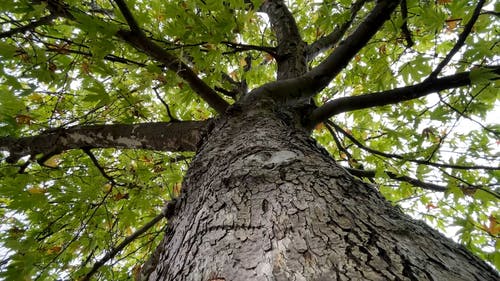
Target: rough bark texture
<point x="173" y="136"/>
<point x="291" y="49"/>
<point x="262" y="201"/>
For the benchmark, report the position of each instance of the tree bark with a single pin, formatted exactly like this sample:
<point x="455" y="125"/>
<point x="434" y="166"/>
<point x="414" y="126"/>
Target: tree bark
<point x="167" y="136"/>
<point x="261" y="201"/>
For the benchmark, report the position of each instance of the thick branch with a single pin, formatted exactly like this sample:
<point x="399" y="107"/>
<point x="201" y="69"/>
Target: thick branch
<point x="178" y="136"/>
<point x="137" y="38"/>
<point x="330" y="40"/>
<point x="404" y="27"/>
<point x="393" y="96"/>
<point x="139" y="41"/>
<point x="291" y="49"/>
<point x="461" y="40"/>
<point x="319" y="77"/>
<point x="134" y="26"/>
<point x="155" y="51"/>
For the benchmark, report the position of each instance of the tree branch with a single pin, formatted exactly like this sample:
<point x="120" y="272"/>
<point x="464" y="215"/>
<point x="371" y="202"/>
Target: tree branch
<point x="30" y="26"/>
<point x="460" y="42"/>
<point x="134" y="26"/>
<point x="393" y="96"/>
<point x="326" y="42"/>
<point x="178" y="136"/>
<point x="108" y="57"/>
<point x="461" y="113"/>
<point x="237" y="47"/>
<point x="115" y="250"/>
<point x="404" y="27"/>
<point x="291" y="49"/>
<point x="397" y="156"/>
<point x="321" y="75"/>
<point x="497" y="14"/>
<point x="137" y="38"/>
<point x="415" y="182"/>
<point x="311" y="83"/>
<point x="98" y="166"/>
<point x="143" y="44"/>
<point x="155" y="51"/>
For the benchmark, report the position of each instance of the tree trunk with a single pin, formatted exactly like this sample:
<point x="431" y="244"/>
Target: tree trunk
<point x="261" y="201"/>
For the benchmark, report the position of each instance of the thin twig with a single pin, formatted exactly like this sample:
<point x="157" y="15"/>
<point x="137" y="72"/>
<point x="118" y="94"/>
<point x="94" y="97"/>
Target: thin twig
<point x="98" y="166"/>
<point x="78" y="233"/>
<point x="404" y="27"/>
<point x="237" y="47"/>
<point x="460" y="42"/>
<point x="172" y="118"/>
<point x="115" y="250"/>
<point x="462" y="113"/>
<point x="410" y="180"/>
<point x="397" y="156"/>
<point x="30" y="26"/>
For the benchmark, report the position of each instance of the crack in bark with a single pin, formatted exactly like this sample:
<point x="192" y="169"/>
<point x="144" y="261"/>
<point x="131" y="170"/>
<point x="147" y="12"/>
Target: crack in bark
<point x="303" y="219"/>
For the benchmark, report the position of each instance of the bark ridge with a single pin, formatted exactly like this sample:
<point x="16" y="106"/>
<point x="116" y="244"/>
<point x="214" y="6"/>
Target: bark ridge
<point x="262" y="201"/>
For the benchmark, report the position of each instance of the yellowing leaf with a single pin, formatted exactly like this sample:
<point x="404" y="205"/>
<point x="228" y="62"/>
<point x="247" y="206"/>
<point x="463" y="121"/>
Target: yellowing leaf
<point x="53" y="161"/>
<point x="107" y="187"/>
<point x="468" y="190"/>
<point x="208" y="46"/>
<point x="243" y="62"/>
<point x="35" y="97"/>
<point x="319" y="127"/>
<point x="136" y="271"/>
<point x="23" y="119"/>
<point x="268" y="58"/>
<point x="120" y="196"/>
<point x="54" y="250"/>
<point x="37" y="190"/>
<point x="176" y="190"/>
<point x="319" y="32"/>
<point x="382" y="49"/>
<point x="234" y="75"/>
<point x="85" y="67"/>
<point x="431" y="206"/>
<point x="129" y="230"/>
<point x="451" y="24"/>
<point x="494" y="227"/>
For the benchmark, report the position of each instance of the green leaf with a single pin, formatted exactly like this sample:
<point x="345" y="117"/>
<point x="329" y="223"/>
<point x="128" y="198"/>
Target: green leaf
<point x="485" y="196"/>
<point x="7" y="51"/>
<point x="482" y="75"/>
<point x="95" y="26"/>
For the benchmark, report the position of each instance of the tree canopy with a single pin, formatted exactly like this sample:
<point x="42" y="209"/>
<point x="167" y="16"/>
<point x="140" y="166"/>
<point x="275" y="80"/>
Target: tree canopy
<point x="408" y="103"/>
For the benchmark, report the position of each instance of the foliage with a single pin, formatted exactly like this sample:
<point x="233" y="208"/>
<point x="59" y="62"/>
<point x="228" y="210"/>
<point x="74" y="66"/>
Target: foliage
<point x="61" y="215"/>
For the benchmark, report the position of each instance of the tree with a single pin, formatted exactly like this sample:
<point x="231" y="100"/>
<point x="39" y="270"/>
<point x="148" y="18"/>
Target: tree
<point x="295" y="118"/>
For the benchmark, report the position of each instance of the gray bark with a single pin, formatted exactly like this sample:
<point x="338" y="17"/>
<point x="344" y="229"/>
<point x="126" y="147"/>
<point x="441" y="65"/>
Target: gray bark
<point x="261" y="201"/>
<point x="172" y="136"/>
<point x="291" y="50"/>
